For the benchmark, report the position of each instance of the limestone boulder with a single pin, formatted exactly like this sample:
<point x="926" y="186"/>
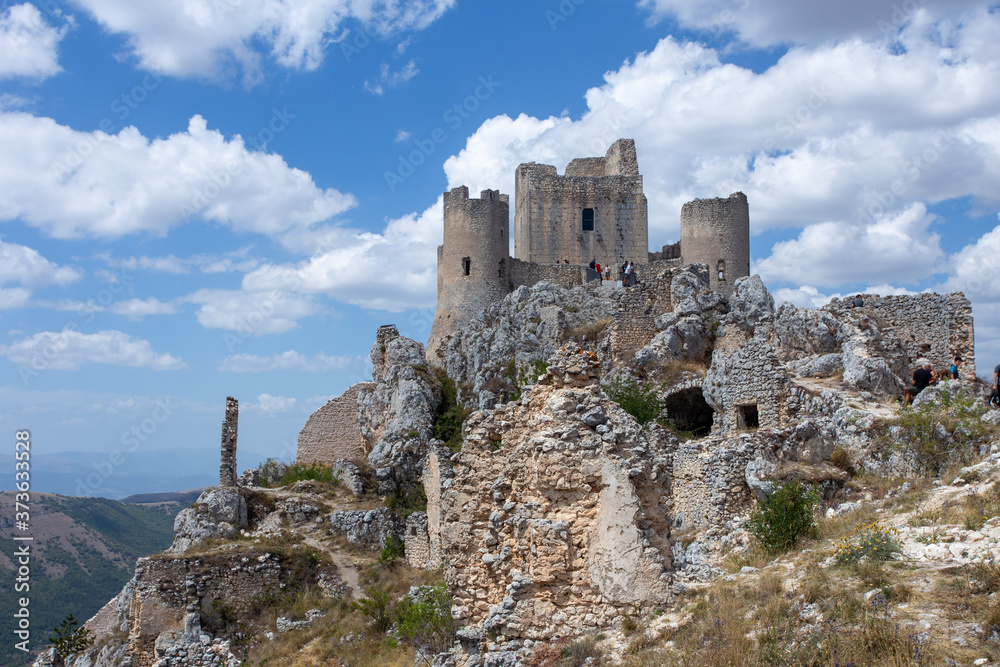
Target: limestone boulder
<point x="686" y="338"/>
<point x="823" y="365"/>
<point x="867" y="368"/>
<point x="218" y="513"/>
<point x="750" y="303"/>
<point x="806" y="332"/>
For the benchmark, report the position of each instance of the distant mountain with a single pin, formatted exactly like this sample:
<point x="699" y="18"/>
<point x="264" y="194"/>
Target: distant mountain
<point x="141" y="472"/>
<point x="182" y="497"/>
<point x="83" y="552"/>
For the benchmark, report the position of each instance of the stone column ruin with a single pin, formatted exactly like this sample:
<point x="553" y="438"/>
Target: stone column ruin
<point x="227" y="468"/>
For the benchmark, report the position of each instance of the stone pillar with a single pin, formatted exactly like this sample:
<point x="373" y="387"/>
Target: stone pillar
<point x="227" y="469"/>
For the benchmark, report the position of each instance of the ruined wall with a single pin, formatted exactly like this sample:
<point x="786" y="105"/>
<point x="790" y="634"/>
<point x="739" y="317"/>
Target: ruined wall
<point x="717" y="232"/>
<point x="556" y="519"/>
<point x="935" y="327"/>
<point x="423" y="529"/>
<point x="708" y="480"/>
<point x="746" y="378"/>
<point x="332" y="432"/>
<point x="634" y="324"/>
<point x="472" y="261"/>
<point x="668" y="252"/>
<point x="549" y="210"/>
<point x="563" y="275"/>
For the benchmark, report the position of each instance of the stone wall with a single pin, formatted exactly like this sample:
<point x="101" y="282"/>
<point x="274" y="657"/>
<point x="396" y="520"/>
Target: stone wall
<point x="748" y="384"/>
<point x="936" y="327"/>
<point x="473" y="260"/>
<point x="708" y="480"/>
<point x="717" y="232"/>
<point x="332" y="432"/>
<point x="548" y="223"/>
<point x="635" y="322"/>
<point x="230" y="423"/>
<point x="563" y="275"/>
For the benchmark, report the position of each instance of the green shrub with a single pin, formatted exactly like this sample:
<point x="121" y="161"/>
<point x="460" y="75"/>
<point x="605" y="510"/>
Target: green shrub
<point x="450" y="414"/>
<point x="423" y="618"/>
<point x="784" y="517"/>
<point x="318" y="472"/>
<point x="377" y="607"/>
<point x="959" y="416"/>
<point x="70" y="639"/>
<point x="871" y="542"/>
<point x="392" y="548"/>
<point x="639" y="400"/>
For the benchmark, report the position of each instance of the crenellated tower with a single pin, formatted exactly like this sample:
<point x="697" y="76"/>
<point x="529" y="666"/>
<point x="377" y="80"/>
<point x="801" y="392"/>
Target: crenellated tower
<point x="472" y="262"/>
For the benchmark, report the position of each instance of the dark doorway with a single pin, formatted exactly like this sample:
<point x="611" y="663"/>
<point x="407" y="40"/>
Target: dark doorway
<point x="747" y="416"/>
<point x="688" y="411"/>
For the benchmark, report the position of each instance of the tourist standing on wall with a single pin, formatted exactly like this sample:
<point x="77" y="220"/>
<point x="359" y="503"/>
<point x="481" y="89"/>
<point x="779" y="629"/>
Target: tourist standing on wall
<point x="954" y="368"/>
<point x="600" y="274"/>
<point x="629" y="274"/>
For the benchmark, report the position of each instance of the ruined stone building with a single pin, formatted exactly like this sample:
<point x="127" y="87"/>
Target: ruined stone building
<point x="596" y="209"/>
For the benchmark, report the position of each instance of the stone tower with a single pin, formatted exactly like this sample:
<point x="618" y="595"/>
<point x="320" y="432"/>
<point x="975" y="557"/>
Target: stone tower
<point x="473" y="262"/>
<point x="717" y="232"/>
<point x="597" y="209"/>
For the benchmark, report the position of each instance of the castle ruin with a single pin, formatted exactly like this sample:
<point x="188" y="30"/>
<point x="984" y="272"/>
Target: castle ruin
<point x="596" y="210"/>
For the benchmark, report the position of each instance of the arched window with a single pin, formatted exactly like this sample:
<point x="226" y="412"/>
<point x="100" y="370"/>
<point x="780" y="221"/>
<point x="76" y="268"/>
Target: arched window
<point x="722" y="270"/>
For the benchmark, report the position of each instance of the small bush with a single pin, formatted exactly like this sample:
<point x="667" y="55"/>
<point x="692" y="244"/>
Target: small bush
<point x="405" y="502"/>
<point x="841" y="459"/>
<point x="392" y="548"/>
<point x="377" y="607"/>
<point x="317" y="472"/>
<point x="70" y="639"/>
<point x="639" y="400"/>
<point x="450" y="414"/>
<point x="945" y="433"/>
<point x="423" y="618"/>
<point x="871" y="542"/>
<point x="784" y="517"/>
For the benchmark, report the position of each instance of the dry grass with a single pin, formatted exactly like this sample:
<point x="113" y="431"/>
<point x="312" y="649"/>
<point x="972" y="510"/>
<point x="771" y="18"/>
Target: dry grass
<point x="585" y="332"/>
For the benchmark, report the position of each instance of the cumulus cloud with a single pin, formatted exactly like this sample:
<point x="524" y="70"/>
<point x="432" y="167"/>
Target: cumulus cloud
<point x="237" y="260"/>
<point x="896" y="248"/>
<point x="764" y="23"/>
<point x="395" y="270"/>
<point x="29" y="46"/>
<point x="808" y="296"/>
<point x="390" y="79"/>
<point x="23" y="265"/>
<point x="289" y="360"/>
<point x="252" y="312"/>
<point x="74" y="184"/>
<point x="68" y="350"/>
<point x="212" y="40"/>
<point x="976" y="268"/>
<point x="270" y="405"/>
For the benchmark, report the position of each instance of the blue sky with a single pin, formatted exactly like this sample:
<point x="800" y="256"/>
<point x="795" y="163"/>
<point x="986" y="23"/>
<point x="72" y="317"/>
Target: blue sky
<point x="202" y="198"/>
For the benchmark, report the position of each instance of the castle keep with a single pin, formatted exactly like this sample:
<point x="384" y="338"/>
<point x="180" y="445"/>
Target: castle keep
<point x="597" y="209"/>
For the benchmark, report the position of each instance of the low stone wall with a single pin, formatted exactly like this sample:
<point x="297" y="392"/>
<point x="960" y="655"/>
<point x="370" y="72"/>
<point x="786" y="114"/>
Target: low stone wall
<point x="332" y="432"/>
<point x="528" y="273"/>
<point x="936" y="327"/>
<point x="635" y="322"/>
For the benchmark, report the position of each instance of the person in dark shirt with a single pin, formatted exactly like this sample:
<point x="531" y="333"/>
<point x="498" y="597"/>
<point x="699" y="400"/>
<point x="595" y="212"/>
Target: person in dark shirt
<point x="921" y="378"/>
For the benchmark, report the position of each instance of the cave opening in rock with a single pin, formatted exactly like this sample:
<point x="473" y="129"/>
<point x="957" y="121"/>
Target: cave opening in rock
<point x="688" y="411"/>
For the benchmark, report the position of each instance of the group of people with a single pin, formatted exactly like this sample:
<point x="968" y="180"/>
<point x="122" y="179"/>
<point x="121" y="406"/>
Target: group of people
<point x="626" y="274"/>
<point x="925" y="375"/>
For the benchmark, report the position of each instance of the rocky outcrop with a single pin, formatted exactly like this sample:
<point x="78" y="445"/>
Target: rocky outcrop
<point x="218" y="513"/>
<point x="527" y="326"/>
<point x="396" y="414"/>
<point x="555" y="521"/>
<point x="369" y="529"/>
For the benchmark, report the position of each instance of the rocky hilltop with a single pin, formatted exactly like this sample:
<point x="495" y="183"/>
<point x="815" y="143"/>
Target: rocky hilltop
<point x="578" y="477"/>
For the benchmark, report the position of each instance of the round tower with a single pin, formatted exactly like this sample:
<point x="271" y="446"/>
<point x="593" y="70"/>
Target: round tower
<point x="717" y="232"/>
<point x="473" y="261"/>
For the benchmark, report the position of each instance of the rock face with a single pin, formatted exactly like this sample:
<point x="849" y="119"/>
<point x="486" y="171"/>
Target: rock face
<point x="556" y="520"/>
<point x="217" y="513"/>
<point x="396" y="414"/>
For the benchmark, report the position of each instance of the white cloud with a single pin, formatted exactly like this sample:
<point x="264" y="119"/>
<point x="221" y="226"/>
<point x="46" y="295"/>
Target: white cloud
<point x="210" y="40"/>
<point x="395" y="270"/>
<point x="137" y="309"/>
<point x="402" y="136"/>
<point x="225" y="263"/>
<point x="976" y="268"/>
<point x="252" y="312"/>
<point x="897" y="248"/>
<point x="289" y="360"/>
<point x="29" y="46"/>
<point x="268" y="404"/>
<point x="810" y="297"/>
<point x="390" y="79"/>
<point x="75" y="184"/>
<point x="68" y="350"/>
<point x="25" y="266"/>
<point x="764" y="23"/>
<point x="13" y="297"/>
